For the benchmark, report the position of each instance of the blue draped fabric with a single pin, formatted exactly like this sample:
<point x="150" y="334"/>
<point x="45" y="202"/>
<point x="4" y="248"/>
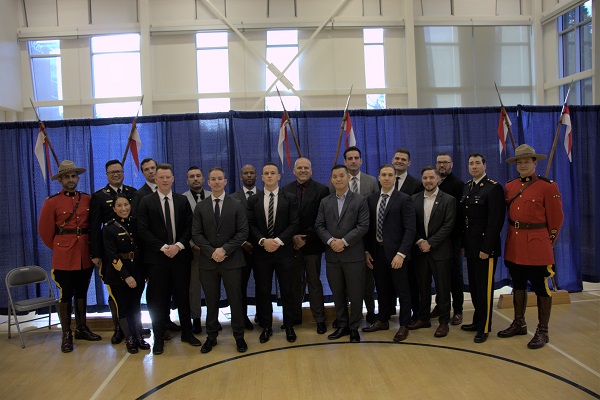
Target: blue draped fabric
<point x="233" y="139"/>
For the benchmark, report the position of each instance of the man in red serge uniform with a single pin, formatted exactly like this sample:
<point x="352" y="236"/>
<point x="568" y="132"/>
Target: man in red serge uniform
<point x="535" y="217"/>
<point x="64" y="228"/>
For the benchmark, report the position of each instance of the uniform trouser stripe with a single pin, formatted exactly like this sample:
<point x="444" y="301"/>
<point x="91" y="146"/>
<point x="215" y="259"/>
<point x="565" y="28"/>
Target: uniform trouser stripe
<point x="57" y="284"/>
<point x="110" y="293"/>
<point x="550" y="275"/>
<point x="489" y="294"/>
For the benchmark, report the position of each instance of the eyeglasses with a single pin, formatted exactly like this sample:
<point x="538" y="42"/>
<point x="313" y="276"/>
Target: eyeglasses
<point x="444" y="162"/>
<point x="114" y="172"/>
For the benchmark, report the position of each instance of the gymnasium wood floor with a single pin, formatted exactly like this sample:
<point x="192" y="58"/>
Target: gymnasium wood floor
<point x="422" y="367"/>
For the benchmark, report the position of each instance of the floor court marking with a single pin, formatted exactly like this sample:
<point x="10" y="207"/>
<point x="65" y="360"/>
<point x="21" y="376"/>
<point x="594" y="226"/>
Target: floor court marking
<point x="550" y="374"/>
<point x="109" y="377"/>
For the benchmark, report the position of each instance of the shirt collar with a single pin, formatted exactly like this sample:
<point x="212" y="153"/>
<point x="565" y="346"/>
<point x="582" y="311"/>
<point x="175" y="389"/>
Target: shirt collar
<point x="433" y="195"/>
<point x="275" y="192"/>
<point x="342" y="196"/>
<point x="162" y="196"/>
<point x="246" y="190"/>
<point x="116" y="188"/>
<point x="221" y="197"/>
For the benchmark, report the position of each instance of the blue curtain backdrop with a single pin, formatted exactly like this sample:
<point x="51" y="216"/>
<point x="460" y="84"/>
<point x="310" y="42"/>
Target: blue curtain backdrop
<point x="233" y="139"/>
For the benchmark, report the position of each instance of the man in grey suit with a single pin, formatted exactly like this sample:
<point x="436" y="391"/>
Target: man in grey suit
<point x="220" y="227"/>
<point x="342" y="221"/>
<point x="195" y="181"/>
<point x="436" y="212"/>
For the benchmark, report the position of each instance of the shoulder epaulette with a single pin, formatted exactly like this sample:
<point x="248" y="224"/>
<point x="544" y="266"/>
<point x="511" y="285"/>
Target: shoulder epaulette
<point x="109" y="222"/>
<point x="469" y="182"/>
<point x="543" y="178"/>
<point x="512" y="180"/>
<point x="54" y="195"/>
<point x="493" y="182"/>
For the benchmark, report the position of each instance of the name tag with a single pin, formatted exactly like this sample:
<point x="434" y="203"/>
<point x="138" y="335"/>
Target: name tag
<point x="121" y="234"/>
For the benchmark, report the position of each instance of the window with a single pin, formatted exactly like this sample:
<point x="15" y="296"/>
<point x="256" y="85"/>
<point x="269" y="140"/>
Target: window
<point x="575" y="52"/>
<point x="46" y="75"/>
<point x="212" y="57"/>
<point x="374" y="67"/>
<point x="116" y="73"/>
<point x="282" y="47"/>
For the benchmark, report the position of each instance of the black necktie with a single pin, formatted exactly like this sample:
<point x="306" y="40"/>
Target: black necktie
<point x="397" y="186"/>
<point x="271" y="218"/>
<point x="168" y="222"/>
<point x="217" y="211"/>
<point x="119" y="191"/>
<point x="201" y="194"/>
<point x="249" y="193"/>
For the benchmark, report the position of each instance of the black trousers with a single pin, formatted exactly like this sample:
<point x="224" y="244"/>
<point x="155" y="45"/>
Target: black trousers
<point x="72" y="283"/>
<point x="127" y="300"/>
<point x="232" y="281"/>
<point x="481" y="285"/>
<point x="307" y="268"/>
<point x="391" y="283"/>
<point x="246" y="272"/>
<point x="264" y="267"/>
<point x="347" y="282"/>
<point x="173" y="276"/>
<point x="440" y="270"/>
<point x="457" y="285"/>
<point x="537" y="275"/>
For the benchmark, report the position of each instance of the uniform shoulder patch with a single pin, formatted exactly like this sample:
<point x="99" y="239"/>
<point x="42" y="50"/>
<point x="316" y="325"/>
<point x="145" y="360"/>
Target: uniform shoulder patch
<point x="493" y="182"/>
<point x="54" y="195"/>
<point x="543" y="178"/>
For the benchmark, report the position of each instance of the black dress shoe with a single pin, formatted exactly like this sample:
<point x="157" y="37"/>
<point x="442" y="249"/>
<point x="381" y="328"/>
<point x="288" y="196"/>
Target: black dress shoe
<point x="321" y="328"/>
<point x="172" y="326"/>
<point x="166" y="336"/>
<point x="354" y="336"/>
<point x="265" y="335"/>
<point x="248" y="324"/>
<point x="196" y="326"/>
<point x="208" y="345"/>
<point x="142" y="344"/>
<point x="469" y="328"/>
<point x="480" y="337"/>
<point x="191" y="340"/>
<point x="159" y="345"/>
<point x="335" y="324"/>
<point x="339" y="332"/>
<point x="371" y="318"/>
<point x="290" y="335"/>
<point x="145" y="332"/>
<point x="241" y="345"/>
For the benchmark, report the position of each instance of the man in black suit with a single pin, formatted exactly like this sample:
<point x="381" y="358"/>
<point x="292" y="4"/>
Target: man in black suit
<point x="342" y="221"/>
<point x="410" y="185"/>
<point x="483" y="207"/>
<point x="248" y="177"/>
<point x="309" y="249"/>
<point x="453" y="185"/>
<point x="165" y="227"/>
<point x="220" y="227"/>
<point x="101" y="212"/>
<point x="388" y="244"/>
<point x="433" y="254"/>
<point x="149" y="171"/>
<point x="273" y="221"/>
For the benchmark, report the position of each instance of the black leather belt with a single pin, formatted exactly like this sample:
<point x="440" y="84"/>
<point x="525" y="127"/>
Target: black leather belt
<point x="77" y="231"/>
<point x="127" y="256"/>
<point x="527" y="225"/>
<point x="380" y="244"/>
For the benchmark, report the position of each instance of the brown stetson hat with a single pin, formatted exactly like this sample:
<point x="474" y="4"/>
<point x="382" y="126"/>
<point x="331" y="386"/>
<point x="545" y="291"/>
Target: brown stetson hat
<point x="67" y="166"/>
<point x="525" y="151"/>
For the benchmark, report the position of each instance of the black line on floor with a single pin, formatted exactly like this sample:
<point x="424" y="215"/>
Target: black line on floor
<point x="550" y="374"/>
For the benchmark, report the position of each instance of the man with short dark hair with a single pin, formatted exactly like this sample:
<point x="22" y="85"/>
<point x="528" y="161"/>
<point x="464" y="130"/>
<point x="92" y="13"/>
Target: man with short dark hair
<point x="405" y="182"/>
<point x="148" y="167"/>
<point x="165" y="227"/>
<point x="483" y="209"/>
<point x="436" y="213"/>
<point x="196" y="194"/>
<point x="308" y="248"/>
<point x="101" y="212"/>
<point x="342" y="221"/>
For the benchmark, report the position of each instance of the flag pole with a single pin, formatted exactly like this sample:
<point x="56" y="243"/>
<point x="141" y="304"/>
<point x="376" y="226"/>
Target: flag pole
<point x="289" y="122"/>
<point x="131" y="132"/>
<point x="43" y="129"/>
<point x="562" y="113"/>
<point x="505" y="117"/>
<point x="337" y="150"/>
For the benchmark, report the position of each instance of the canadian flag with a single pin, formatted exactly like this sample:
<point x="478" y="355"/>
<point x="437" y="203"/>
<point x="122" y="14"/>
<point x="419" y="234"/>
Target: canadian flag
<point x="42" y="151"/>
<point x="283" y="137"/>
<point x="566" y="120"/>
<point x="350" y="139"/>
<point x="503" y="131"/>
<point x="135" y="144"/>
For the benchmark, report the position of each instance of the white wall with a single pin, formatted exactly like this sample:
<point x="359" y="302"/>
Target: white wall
<point x="329" y="65"/>
<point x="10" y="69"/>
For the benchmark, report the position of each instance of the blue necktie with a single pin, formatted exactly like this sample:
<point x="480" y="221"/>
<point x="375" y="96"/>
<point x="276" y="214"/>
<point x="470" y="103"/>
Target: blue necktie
<point x="217" y="211"/>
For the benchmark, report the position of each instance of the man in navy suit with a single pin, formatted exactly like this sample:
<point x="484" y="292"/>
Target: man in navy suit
<point x="309" y="249"/>
<point x="342" y="221"/>
<point x="388" y="244"/>
<point x="436" y="212"/>
<point x="220" y="227"/>
<point x="248" y="177"/>
<point x="148" y="166"/>
<point x="165" y="227"/>
<point x="273" y="221"/>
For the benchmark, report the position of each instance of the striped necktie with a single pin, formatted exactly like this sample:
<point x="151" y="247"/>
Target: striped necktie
<point x="382" y="205"/>
<point x="271" y="217"/>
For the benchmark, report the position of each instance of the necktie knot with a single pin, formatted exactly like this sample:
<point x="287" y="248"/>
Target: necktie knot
<point x="249" y="193"/>
<point x="119" y="191"/>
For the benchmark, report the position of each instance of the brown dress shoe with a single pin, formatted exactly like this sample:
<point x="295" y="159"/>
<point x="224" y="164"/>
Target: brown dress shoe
<point x="401" y="335"/>
<point x="456" y="319"/>
<point x="442" y="330"/>
<point x="377" y="326"/>
<point x="435" y="312"/>
<point x="419" y="324"/>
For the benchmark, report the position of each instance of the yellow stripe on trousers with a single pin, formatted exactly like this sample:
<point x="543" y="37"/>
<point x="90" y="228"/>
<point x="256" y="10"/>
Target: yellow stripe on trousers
<point x="489" y="294"/>
<point x="57" y="285"/>
<point x="549" y="268"/>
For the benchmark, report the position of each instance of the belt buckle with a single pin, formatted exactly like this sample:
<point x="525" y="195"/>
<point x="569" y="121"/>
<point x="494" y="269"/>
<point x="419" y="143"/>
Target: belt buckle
<point x="517" y="225"/>
<point x="78" y="231"/>
<point x="131" y="255"/>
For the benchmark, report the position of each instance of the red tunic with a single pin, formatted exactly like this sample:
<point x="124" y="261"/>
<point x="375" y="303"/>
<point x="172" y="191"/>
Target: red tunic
<point x="538" y="204"/>
<point x="69" y="251"/>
